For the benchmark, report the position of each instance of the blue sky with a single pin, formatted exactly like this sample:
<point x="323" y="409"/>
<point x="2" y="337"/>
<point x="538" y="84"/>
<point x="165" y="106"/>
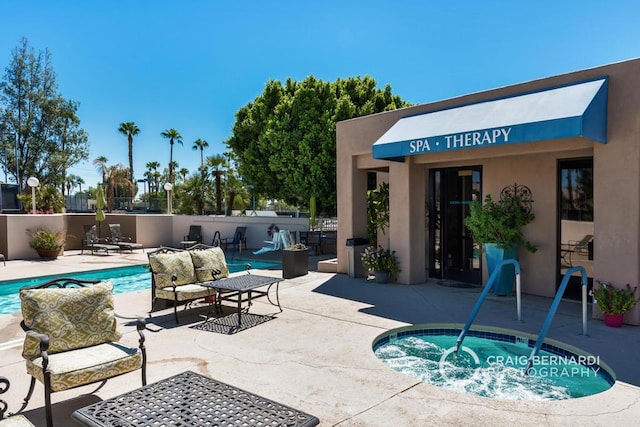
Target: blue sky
<point x="191" y="64"/>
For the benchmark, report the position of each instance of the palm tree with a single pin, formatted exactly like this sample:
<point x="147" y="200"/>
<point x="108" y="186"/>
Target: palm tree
<point x="173" y="136"/>
<point x="217" y="163"/>
<point x="129" y="129"/>
<point x="71" y="181"/>
<point x="78" y="181"/>
<point x="68" y="180"/>
<point x="200" y="144"/>
<point x="117" y="175"/>
<point x="184" y="172"/>
<point x="101" y="166"/>
<point x="152" y="174"/>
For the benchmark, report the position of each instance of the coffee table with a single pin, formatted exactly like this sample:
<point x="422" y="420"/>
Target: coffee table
<point x="243" y="288"/>
<point x="191" y="399"/>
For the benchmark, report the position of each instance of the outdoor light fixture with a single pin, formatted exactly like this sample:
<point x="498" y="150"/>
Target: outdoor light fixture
<point x="168" y="187"/>
<point x="33" y="183"/>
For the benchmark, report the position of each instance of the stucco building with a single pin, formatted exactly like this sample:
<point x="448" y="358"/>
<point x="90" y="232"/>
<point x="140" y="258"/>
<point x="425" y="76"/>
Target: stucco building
<point x="573" y="140"/>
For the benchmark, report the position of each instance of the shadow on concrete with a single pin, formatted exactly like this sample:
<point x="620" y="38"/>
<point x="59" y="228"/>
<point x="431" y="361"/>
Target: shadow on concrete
<point x="430" y="303"/>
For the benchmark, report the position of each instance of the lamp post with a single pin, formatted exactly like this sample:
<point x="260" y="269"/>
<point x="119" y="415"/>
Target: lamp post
<point x="168" y="187"/>
<point x="33" y="183"/>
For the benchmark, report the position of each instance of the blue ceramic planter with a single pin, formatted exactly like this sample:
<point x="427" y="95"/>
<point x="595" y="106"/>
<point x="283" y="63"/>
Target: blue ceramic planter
<point x="494" y="255"/>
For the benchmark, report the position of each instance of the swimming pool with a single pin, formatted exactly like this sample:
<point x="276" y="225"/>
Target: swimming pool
<point x="491" y="363"/>
<point x="125" y="279"/>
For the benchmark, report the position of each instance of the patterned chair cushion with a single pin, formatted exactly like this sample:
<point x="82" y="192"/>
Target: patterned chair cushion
<point x="163" y="266"/>
<point x="72" y="318"/>
<point x="208" y="259"/>
<point x="86" y="365"/>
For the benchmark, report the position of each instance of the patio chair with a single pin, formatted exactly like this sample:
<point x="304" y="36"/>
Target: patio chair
<point x="311" y="239"/>
<point x="239" y="237"/>
<point x="124" y="243"/>
<point x="575" y="246"/>
<point x="72" y="337"/>
<point x="194" y="237"/>
<point x="95" y="244"/>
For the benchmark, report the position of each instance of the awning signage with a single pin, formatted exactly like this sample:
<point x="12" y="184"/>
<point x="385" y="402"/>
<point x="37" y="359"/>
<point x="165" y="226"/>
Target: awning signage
<point x="569" y="111"/>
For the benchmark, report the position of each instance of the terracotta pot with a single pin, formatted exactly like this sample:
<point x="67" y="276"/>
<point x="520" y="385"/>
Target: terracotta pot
<point x="613" y="320"/>
<point x="48" y="253"/>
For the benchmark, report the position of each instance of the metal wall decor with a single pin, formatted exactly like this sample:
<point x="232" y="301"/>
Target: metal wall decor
<point x="521" y="192"/>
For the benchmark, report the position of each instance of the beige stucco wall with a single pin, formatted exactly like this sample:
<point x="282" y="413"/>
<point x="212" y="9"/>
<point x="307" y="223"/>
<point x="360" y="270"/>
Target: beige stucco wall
<point x="16" y="232"/>
<point x="151" y="230"/>
<point x="616" y="183"/>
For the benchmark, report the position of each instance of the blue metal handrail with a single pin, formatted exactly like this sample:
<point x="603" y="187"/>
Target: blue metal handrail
<point x="487" y="288"/>
<point x="554" y="306"/>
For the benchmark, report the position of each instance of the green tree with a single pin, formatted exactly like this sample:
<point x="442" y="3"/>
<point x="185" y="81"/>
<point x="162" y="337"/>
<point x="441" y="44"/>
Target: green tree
<point x="41" y="133"/>
<point x="284" y="141"/>
<point x="192" y="195"/>
<point x="173" y="136"/>
<point x="48" y="199"/>
<point x="129" y="129"/>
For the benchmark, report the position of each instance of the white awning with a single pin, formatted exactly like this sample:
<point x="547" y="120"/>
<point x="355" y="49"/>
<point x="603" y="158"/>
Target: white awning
<point x="563" y="112"/>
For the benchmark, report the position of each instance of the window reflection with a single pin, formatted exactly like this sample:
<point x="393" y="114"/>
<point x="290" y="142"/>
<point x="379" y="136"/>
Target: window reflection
<point x="576" y="220"/>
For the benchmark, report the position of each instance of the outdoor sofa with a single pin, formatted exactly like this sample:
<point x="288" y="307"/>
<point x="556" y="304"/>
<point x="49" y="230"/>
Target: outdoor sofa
<point x="178" y="275"/>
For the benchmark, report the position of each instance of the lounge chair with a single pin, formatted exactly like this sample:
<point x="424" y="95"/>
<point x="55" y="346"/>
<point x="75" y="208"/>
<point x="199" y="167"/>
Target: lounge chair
<point x="575" y="246"/>
<point x="72" y="337"/>
<point x="125" y="243"/>
<point x="95" y="244"/>
<point x="281" y="240"/>
<point x="193" y="238"/>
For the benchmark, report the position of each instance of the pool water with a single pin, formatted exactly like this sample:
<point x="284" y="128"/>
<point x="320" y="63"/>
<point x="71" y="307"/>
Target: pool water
<point x="125" y="279"/>
<point x="493" y="368"/>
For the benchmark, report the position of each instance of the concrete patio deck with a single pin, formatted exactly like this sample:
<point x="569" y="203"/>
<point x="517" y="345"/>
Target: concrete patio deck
<point x="316" y="355"/>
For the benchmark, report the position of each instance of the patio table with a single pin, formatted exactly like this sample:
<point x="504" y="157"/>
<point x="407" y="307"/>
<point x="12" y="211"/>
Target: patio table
<point x="243" y="288"/>
<point x="191" y="399"/>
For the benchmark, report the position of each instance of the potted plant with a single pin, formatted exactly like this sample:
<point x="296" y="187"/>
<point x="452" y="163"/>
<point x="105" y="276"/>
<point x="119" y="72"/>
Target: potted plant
<point x="614" y="302"/>
<point x="47" y="243"/>
<point x="498" y="227"/>
<point x="295" y="261"/>
<point x="383" y="262"/>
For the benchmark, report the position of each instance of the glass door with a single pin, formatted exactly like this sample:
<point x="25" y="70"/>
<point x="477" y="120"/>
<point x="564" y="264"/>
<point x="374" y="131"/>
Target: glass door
<point x="453" y="255"/>
<point x="575" y="222"/>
